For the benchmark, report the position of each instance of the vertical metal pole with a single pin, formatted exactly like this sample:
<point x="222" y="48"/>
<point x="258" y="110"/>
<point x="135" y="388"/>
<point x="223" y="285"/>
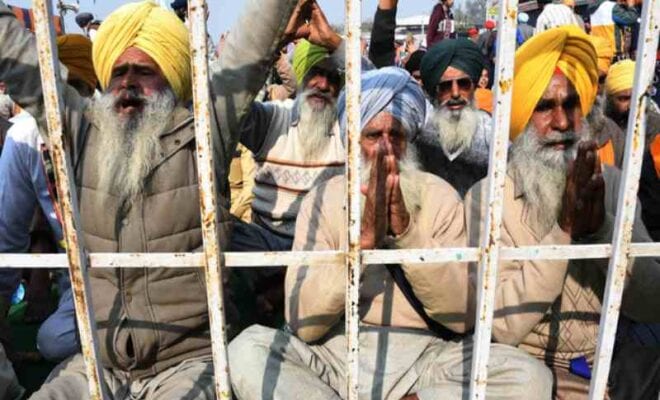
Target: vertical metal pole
<point x="625" y="211"/>
<point x="207" y="196"/>
<point x="353" y="257"/>
<point x="488" y="263"/>
<point x="78" y="262"/>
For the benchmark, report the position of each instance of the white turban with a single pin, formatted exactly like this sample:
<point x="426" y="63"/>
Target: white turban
<point x="391" y="90"/>
<point x="555" y="15"/>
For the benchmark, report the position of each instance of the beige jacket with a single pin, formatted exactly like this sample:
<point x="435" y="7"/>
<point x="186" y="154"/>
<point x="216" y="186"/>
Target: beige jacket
<point x="315" y="295"/>
<point x="552" y="308"/>
<point x="153" y="318"/>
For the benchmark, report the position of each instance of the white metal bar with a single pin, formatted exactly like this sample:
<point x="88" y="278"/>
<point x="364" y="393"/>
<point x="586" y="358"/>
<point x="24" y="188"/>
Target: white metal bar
<point x="207" y="195"/>
<point x="77" y="261"/>
<point x="488" y="265"/>
<point x="627" y="200"/>
<point x="312" y="258"/>
<point x="353" y="256"/>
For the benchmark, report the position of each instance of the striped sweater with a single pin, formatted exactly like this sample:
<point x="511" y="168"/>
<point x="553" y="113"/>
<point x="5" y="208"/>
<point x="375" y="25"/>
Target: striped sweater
<point x="283" y="176"/>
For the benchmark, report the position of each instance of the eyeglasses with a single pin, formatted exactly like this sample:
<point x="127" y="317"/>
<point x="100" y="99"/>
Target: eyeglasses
<point x="445" y="87"/>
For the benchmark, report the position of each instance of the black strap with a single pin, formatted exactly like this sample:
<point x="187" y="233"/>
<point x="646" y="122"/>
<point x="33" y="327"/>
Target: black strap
<point x="400" y="279"/>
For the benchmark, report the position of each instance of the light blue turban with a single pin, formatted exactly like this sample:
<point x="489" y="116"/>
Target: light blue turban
<point x="391" y="90"/>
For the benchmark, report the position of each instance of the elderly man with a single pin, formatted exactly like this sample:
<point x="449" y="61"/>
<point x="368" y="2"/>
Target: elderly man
<point x="454" y="144"/>
<point x="551" y="308"/>
<point x="411" y="315"/>
<point x="134" y="155"/>
<point x="296" y="145"/>
<point x="26" y="188"/>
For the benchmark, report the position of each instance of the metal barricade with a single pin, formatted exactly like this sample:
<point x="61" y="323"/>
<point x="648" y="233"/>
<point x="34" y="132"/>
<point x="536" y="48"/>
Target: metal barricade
<point x="213" y="259"/>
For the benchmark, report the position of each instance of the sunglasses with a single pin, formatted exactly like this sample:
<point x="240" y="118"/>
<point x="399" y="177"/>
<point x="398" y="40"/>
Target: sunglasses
<point x="445" y="87"/>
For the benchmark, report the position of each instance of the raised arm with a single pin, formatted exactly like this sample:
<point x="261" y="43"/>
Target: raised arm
<point x="19" y="66"/>
<point x="19" y="69"/>
<point x="381" y="48"/>
<point x="249" y="52"/>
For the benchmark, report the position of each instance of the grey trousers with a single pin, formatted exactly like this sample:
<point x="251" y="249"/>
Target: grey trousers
<point x="190" y="380"/>
<point x="272" y="364"/>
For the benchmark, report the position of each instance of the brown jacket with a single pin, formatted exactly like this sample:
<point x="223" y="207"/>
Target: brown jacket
<point x="152" y="318"/>
<point x="315" y="296"/>
<point x="551" y="308"/>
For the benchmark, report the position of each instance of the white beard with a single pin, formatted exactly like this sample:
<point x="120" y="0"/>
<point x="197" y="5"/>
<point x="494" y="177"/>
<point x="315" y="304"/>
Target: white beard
<point x="315" y="127"/>
<point x="455" y="129"/>
<point x="130" y="146"/>
<point x="408" y="180"/>
<point x="540" y="172"/>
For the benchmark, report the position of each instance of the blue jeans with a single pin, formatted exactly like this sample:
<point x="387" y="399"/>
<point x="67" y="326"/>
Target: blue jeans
<point x="58" y="335"/>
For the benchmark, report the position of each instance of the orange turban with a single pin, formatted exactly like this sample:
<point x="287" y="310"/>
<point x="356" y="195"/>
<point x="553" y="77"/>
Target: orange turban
<point x="75" y="52"/>
<point x="567" y="48"/>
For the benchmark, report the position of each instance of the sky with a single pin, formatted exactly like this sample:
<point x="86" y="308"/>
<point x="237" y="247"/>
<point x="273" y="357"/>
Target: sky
<point x="225" y="12"/>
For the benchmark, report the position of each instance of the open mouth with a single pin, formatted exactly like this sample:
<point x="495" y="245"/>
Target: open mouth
<point x="129" y="104"/>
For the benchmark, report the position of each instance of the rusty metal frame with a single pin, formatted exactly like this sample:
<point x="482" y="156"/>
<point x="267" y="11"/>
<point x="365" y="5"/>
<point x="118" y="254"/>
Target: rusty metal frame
<point x="490" y="242"/>
<point x="77" y="259"/>
<point x="213" y="258"/>
<point x="620" y="251"/>
<point x="352" y="202"/>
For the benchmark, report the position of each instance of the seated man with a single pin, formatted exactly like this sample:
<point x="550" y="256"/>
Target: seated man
<point x="551" y="308"/>
<point x="134" y="154"/>
<point x="454" y="143"/>
<point x="412" y="316"/>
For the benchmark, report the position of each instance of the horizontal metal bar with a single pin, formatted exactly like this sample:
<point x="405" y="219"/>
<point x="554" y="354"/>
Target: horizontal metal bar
<point x="261" y="259"/>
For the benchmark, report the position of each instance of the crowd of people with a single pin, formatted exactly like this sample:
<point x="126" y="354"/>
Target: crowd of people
<point x="279" y="143"/>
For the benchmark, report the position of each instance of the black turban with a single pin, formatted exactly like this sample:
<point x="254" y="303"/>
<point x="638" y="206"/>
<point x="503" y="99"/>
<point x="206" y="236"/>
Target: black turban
<point x="459" y="53"/>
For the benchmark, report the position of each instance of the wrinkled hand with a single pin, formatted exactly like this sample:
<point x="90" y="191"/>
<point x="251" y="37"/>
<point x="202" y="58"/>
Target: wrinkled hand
<point x="385" y="209"/>
<point x="583" y="205"/>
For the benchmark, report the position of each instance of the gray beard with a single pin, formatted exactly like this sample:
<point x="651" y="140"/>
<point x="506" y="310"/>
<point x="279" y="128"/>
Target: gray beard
<point x="540" y="172"/>
<point x="408" y="180"/>
<point x="455" y="129"/>
<point x="129" y="147"/>
<point x="315" y="127"/>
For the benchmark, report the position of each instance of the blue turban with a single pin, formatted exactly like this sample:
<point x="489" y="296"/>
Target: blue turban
<point x="391" y="90"/>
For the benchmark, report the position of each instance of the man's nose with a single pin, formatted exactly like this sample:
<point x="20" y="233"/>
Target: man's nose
<point x="455" y="93"/>
<point x="560" y="120"/>
<point x="322" y="83"/>
<point x="129" y="80"/>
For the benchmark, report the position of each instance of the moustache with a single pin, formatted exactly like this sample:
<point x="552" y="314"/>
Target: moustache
<point x="320" y="93"/>
<point x="554" y="138"/>
<point x="129" y="98"/>
<point x="456" y="102"/>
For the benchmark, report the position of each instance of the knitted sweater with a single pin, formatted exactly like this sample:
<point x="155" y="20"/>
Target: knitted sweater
<point x="283" y="175"/>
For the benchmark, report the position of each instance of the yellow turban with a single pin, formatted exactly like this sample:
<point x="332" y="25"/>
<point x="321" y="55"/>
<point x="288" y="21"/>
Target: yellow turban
<point x="567" y="48"/>
<point x="604" y="52"/>
<point x="75" y="51"/>
<point x="152" y="29"/>
<point x="305" y="56"/>
<point x="620" y="77"/>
